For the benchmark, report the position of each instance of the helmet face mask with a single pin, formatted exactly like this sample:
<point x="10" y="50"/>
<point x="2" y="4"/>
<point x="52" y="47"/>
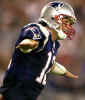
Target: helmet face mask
<point x="60" y="17"/>
<point x="65" y="23"/>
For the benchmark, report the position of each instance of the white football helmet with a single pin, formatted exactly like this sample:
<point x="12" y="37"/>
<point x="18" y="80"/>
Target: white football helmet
<point x="60" y="17"/>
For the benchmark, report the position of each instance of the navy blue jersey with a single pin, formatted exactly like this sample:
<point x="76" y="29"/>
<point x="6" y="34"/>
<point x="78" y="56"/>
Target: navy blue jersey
<point x="34" y="64"/>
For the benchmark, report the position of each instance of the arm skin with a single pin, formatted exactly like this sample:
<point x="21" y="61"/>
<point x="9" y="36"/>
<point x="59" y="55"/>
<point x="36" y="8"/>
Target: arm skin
<point x="59" y="69"/>
<point x="70" y="75"/>
<point x="27" y="44"/>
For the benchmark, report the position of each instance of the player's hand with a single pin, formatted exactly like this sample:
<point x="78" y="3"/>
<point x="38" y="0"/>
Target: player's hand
<point x="70" y="75"/>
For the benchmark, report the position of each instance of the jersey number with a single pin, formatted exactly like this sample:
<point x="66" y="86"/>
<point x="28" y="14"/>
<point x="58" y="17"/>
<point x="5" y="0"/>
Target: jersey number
<point x="42" y="77"/>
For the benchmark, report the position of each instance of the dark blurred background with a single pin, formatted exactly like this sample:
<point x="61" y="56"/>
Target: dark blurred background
<point x="14" y="14"/>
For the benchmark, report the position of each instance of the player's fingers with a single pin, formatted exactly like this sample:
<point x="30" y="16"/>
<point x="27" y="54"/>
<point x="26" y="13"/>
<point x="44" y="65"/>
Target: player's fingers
<point x="76" y="76"/>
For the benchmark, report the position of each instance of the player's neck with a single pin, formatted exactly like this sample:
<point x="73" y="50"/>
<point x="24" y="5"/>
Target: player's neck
<point x="54" y="34"/>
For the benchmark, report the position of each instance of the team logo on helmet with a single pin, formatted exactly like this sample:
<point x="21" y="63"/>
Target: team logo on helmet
<point x="56" y="4"/>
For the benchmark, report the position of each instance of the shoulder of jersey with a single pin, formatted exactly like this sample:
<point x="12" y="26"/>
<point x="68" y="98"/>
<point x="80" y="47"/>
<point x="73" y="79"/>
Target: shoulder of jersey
<point x="38" y="27"/>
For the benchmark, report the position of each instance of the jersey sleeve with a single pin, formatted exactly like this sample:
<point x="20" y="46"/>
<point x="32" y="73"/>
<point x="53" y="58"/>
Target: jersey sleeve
<point x="32" y="33"/>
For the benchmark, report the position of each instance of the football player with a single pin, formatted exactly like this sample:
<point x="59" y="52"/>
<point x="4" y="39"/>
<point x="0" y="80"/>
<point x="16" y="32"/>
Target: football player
<point x="35" y="52"/>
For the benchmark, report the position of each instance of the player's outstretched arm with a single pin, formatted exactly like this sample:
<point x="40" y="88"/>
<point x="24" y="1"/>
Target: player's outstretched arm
<point x="59" y="69"/>
<point x="27" y="45"/>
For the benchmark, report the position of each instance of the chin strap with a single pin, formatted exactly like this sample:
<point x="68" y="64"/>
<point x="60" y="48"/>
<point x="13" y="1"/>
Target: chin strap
<point x="61" y="34"/>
